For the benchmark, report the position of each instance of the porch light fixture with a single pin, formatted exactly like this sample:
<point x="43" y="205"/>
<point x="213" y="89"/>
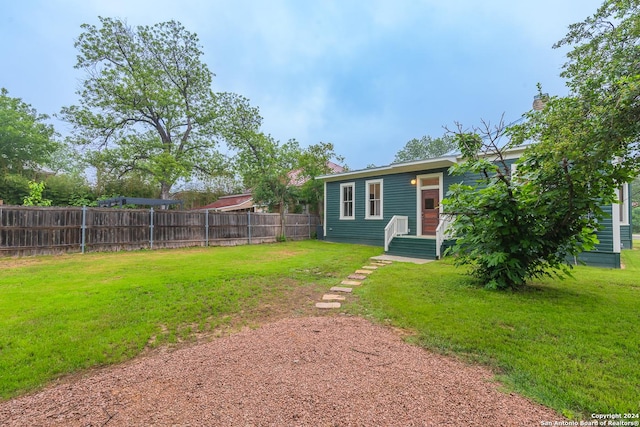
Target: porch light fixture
<point x="413" y="181"/>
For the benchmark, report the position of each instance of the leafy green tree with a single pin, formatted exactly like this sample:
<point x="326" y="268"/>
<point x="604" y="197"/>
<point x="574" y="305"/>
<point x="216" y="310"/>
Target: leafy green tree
<point x="635" y="203"/>
<point x="13" y="188"/>
<point x="68" y="189"/>
<point x="26" y="141"/>
<point x="424" y="148"/>
<point x="313" y="162"/>
<point x="146" y="104"/>
<point x="35" y="197"/>
<point x="265" y="165"/>
<point x="602" y="72"/>
<point x="512" y="228"/>
<point x="635" y="218"/>
<point x="130" y="185"/>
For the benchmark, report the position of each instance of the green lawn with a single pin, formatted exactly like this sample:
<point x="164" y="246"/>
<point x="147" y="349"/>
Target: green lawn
<point x="63" y="314"/>
<point x="572" y="345"/>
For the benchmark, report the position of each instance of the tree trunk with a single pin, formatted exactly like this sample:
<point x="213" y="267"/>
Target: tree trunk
<point x="164" y="193"/>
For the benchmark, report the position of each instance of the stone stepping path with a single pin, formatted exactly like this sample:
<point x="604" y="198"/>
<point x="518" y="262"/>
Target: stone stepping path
<point x="354" y="279"/>
<point x="351" y="283"/>
<point x="333" y="297"/>
<point x="367" y="272"/>
<point x="328" y="304"/>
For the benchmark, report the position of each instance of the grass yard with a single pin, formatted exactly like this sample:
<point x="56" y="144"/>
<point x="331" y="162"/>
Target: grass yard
<point x="64" y="314"/>
<point x="572" y="345"/>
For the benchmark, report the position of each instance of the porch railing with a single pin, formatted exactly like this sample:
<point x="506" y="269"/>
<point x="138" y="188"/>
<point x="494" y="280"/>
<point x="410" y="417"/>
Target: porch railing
<point x="397" y="226"/>
<point x="442" y="232"/>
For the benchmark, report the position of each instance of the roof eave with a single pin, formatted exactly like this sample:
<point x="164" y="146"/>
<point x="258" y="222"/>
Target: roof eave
<point x="434" y="163"/>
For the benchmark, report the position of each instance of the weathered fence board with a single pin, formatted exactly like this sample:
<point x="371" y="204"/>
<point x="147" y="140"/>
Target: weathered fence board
<point x="38" y="230"/>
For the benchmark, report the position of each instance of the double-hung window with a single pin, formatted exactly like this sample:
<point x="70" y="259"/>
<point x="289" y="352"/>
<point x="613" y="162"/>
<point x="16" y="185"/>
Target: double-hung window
<point x="374" y="199"/>
<point x="347" y="200"/>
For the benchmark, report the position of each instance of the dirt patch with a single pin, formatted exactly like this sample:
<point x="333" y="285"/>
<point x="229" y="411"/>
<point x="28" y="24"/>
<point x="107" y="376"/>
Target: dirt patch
<point x="303" y="371"/>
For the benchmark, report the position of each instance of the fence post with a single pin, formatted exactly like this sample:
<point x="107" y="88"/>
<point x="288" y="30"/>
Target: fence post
<point x="151" y="229"/>
<point x="206" y="225"/>
<point x="309" y="224"/>
<point x="249" y="225"/>
<point x="84" y="227"/>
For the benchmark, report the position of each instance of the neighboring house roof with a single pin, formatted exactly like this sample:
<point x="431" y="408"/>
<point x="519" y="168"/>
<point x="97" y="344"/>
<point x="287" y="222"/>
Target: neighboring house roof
<point x="231" y="203"/>
<point x="297" y="179"/>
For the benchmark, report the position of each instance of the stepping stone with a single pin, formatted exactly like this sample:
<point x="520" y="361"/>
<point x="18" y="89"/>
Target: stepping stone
<point x="357" y="276"/>
<point x="332" y="297"/>
<point x="384" y="261"/>
<point x="364" y="271"/>
<point x="340" y="289"/>
<point x="370" y="267"/>
<point x="328" y="304"/>
<point x="378" y="264"/>
<point x="351" y="283"/>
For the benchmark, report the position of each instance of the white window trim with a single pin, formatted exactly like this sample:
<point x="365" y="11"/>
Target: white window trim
<point x="353" y="200"/>
<point x="419" y="189"/>
<point x="367" y="205"/>
<point x="625" y="205"/>
<point x="324" y="210"/>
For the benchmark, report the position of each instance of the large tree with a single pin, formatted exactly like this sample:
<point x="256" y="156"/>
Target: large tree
<point x="146" y="104"/>
<point x="27" y="142"/>
<point x="315" y="161"/>
<point x="513" y="228"/>
<point x="424" y="148"/>
<point x="603" y="73"/>
<point x="265" y="166"/>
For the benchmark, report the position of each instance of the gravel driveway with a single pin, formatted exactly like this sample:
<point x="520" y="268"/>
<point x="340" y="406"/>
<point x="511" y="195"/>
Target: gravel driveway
<point x="307" y="371"/>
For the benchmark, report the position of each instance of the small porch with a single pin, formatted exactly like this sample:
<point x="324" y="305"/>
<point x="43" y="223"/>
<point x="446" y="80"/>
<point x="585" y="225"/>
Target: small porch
<point x="398" y="242"/>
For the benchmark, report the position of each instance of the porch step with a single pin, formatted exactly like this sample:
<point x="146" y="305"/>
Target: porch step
<point x="413" y="247"/>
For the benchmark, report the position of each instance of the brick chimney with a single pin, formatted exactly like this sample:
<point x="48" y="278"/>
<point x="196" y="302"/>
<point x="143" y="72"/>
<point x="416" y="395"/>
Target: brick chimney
<point x="539" y="101"/>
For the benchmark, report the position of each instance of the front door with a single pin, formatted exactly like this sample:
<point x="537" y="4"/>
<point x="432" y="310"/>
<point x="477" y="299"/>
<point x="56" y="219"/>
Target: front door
<point x="430" y="211"/>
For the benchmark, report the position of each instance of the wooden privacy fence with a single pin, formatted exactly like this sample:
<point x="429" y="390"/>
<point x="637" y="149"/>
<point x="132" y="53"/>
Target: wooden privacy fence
<point x="36" y="231"/>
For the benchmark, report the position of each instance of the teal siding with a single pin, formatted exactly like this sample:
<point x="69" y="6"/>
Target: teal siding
<point x="605" y="235"/>
<point x="399" y="198"/>
<point x="601" y="259"/>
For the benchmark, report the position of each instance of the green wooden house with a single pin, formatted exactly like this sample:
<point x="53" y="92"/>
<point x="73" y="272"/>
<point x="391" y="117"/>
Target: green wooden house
<point x="398" y="207"/>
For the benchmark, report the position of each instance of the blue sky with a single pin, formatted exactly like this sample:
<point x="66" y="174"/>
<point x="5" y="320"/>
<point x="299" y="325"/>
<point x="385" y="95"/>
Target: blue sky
<point x="366" y="75"/>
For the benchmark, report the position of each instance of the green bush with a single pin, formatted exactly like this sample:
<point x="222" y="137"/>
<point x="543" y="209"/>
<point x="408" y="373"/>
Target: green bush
<point x="13" y="189"/>
<point x="635" y="219"/>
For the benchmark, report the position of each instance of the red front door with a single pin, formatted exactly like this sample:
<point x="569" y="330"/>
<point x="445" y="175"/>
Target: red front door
<point x="430" y="211"/>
